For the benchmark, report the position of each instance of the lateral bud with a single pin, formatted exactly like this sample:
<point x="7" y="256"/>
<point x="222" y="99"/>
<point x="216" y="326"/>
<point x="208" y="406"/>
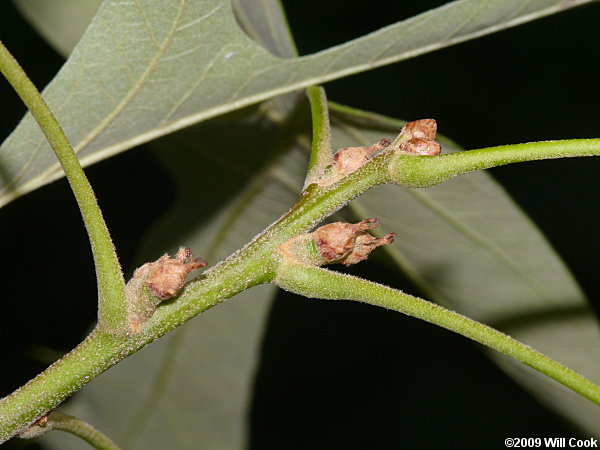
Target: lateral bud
<point x="349" y="159"/>
<point x="421" y="129"/>
<point x="348" y="243"/>
<point x="338" y="242"/>
<point x="419" y="146"/>
<point x="156" y="282"/>
<point x="37" y="428"/>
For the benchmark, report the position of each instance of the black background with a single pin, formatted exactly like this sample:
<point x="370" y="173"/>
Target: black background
<point x="338" y="375"/>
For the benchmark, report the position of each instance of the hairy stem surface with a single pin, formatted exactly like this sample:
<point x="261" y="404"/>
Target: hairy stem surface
<point x="111" y="284"/>
<point x="77" y="427"/>
<point x="258" y="262"/>
<point x="423" y="171"/>
<point x="316" y="282"/>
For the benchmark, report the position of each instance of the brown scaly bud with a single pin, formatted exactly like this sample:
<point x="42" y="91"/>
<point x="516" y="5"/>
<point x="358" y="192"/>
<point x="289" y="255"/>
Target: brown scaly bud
<point x="418" y="138"/>
<point x="348" y="243"/>
<point x="155" y="282"/>
<point x="422" y="129"/>
<point x="37" y="428"/>
<point x="166" y="276"/>
<point x="418" y="146"/>
<point x="364" y="245"/>
<point x="348" y="159"/>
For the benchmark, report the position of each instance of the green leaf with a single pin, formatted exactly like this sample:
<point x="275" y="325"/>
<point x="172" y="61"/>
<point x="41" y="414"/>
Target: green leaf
<point x="265" y="22"/>
<point x="147" y="68"/>
<point x="63" y="22"/>
<point x="60" y="22"/>
<point x="469" y="247"/>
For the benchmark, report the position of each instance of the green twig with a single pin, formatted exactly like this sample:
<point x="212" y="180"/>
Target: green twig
<point x="257" y="263"/>
<point x="423" y="171"/>
<point x="320" y="155"/>
<point x="111" y="284"/>
<point x="63" y="422"/>
<point x="316" y="282"/>
<point x="82" y="429"/>
<point x="94" y="355"/>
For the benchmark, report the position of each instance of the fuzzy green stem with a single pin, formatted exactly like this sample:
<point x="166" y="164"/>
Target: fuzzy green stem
<point x="101" y="350"/>
<point x="423" y="171"/>
<point x="64" y="422"/>
<point x="320" y="155"/>
<point x="30" y="402"/>
<point x="316" y="282"/>
<point x="111" y="284"/>
<point x="84" y="430"/>
<point x="256" y="263"/>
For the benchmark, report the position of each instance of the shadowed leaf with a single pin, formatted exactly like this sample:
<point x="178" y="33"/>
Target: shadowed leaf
<point x="60" y="22"/>
<point x="144" y="69"/>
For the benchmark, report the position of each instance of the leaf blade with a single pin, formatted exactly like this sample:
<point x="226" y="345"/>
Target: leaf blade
<point x="60" y="22"/>
<point x="191" y="62"/>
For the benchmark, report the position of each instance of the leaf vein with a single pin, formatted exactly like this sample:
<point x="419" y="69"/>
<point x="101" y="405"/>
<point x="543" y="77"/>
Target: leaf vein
<point x="136" y="87"/>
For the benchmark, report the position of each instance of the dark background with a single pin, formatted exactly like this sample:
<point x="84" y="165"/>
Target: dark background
<point x="534" y="82"/>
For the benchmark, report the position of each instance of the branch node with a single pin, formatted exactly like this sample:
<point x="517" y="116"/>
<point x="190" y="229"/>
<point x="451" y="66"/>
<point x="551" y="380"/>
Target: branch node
<point x="338" y="242"/>
<point x="37" y="428"/>
<point x="156" y="282"/>
<point x="418" y="138"/>
<point x="349" y="159"/>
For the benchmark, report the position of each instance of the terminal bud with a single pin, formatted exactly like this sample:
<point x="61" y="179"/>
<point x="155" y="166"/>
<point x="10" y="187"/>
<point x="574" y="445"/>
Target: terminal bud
<point x="418" y="138"/>
<point x="418" y="146"/>
<point x="422" y="129"/>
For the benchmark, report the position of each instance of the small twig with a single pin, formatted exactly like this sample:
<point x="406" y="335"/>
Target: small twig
<point x="111" y="284"/>
<point x="321" y="154"/>
<point x="424" y="171"/>
<point x="316" y="282"/>
<point x="56" y="420"/>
